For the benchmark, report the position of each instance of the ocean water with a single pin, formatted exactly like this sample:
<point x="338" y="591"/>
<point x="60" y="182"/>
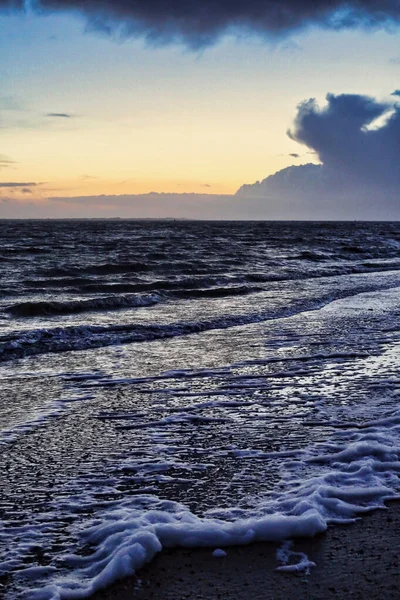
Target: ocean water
<point x="178" y="383"/>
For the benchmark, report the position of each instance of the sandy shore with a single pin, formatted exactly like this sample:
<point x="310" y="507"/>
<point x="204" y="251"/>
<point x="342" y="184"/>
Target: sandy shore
<point x="358" y="561"/>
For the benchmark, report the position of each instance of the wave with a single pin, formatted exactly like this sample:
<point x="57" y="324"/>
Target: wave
<point x="351" y="249"/>
<point x="218" y="285"/>
<point x="45" y="308"/>
<point x="99" y="269"/>
<point x="313" y="256"/>
<point x="292" y="268"/>
<point x="52" y="308"/>
<point x="159" y="285"/>
<point x="121" y="268"/>
<point x="84" y="337"/>
<point x="25" y="250"/>
<point x="219" y="292"/>
<point x="57" y="283"/>
<point x="120" y="295"/>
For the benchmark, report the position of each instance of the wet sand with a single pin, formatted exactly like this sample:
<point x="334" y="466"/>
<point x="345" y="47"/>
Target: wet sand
<point x="358" y="561"/>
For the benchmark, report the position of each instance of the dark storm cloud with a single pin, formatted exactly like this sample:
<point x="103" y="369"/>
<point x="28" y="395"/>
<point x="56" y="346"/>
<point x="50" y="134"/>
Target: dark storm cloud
<point x="357" y="140"/>
<point x="59" y="115"/>
<point x="345" y="139"/>
<point x="198" y="23"/>
<point x="11" y="4"/>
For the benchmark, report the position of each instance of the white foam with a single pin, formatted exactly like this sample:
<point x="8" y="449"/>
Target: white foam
<point x="285" y="555"/>
<point x="346" y="480"/>
<point x="126" y="539"/>
<point x="219" y="553"/>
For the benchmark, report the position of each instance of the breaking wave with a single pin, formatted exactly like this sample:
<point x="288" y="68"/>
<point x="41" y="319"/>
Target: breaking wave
<point x="37" y="309"/>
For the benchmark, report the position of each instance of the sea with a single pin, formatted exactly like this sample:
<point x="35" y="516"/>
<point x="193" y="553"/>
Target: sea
<point x="170" y="383"/>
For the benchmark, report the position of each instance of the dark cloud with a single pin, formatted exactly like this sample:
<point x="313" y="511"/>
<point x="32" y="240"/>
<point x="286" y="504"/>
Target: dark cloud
<point x="396" y="93"/>
<point x="59" y="115"/>
<point x="199" y="23"/>
<point x="11" y="4"/>
<point x="294" y="155"/>
<point x="347" y="143"/>
<point x="26" y="191"/>
<point x="357" y="140"/>
<point x="17" y="184"/>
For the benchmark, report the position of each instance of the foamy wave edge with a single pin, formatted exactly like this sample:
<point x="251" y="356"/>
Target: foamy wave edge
<point x="356" y="472"/>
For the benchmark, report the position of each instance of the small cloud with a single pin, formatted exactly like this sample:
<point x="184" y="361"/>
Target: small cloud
<point x="294" y="155"/>
<point x="396" y="93"/>
<point x="89" y="177"/>
<point x="207" y="185"/>
<point x="59" y="115"/>
<point x="26" y="191"/>
<point x="17" y="184"/>
<point x="5" y="161"/>
<point x="395" y="60"/>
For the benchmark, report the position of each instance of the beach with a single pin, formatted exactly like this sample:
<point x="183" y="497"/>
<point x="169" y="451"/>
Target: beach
<point x="165" y="395"/>
<point x="354" y="561"/>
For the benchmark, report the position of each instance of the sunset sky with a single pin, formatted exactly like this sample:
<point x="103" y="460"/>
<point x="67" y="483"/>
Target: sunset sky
<point x="86" y="110"/>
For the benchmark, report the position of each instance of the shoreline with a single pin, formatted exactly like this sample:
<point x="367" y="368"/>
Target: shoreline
<point x="358" y="561"/>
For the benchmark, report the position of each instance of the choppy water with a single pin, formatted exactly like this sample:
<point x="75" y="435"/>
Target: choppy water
<point x="187" y="383"/>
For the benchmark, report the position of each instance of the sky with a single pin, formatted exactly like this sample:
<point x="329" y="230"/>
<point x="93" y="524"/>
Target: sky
<point x="167" y="109"/>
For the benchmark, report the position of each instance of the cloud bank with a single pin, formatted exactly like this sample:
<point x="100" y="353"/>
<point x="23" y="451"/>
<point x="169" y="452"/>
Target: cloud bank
<point x="199" y="23"/>
<point x="153" y="205"/>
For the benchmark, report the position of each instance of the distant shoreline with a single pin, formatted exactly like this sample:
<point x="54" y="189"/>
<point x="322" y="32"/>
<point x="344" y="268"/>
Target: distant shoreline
<point x="205" y="220"/>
